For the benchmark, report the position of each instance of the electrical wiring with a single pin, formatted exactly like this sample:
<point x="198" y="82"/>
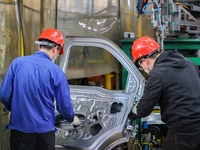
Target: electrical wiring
<point x="154" y="10"/>
<point x="177" y="3"/>
<point x="159" y="16"/>
<point x="138" y="12"/>
<point x="138" y="143"/>
<point x="139" y="5"/>
<point x="148" y="11"/>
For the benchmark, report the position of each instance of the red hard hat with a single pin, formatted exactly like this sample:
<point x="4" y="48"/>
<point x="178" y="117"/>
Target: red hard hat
<point x="53" y="35"/>
<point x="143" y="46"/>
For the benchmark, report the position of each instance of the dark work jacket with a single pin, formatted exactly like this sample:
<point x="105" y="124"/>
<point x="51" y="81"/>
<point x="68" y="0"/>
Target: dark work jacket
<point x="174" y="84"/>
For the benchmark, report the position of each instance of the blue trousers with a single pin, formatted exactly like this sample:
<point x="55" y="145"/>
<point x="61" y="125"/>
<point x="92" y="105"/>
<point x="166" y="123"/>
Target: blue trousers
<point x="189" y="140"/>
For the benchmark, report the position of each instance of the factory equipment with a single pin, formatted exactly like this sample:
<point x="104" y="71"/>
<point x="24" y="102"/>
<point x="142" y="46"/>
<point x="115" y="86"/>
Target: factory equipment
<point x="172" y="18"/>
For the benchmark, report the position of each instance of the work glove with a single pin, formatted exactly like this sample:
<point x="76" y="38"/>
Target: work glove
<point x="76" y="122"/>
<point x="134" y="109"/>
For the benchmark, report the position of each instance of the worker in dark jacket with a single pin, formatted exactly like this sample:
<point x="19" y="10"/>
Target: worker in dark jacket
<point x="174" y="83"/>
<point x="28" y="91"/>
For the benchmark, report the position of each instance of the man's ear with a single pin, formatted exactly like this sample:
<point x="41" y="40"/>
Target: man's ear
<point x="147" y="61"/>
<point x="54" y="50"/>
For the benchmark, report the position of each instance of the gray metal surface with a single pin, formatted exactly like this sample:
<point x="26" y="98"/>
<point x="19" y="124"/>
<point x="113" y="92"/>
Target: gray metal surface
<point x="153" y="118"/>
<point x="103" y="113"/>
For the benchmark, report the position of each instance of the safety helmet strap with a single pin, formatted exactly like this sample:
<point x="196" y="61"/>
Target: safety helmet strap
<point x="45" y="43"/>
<point x="149" y="55"/>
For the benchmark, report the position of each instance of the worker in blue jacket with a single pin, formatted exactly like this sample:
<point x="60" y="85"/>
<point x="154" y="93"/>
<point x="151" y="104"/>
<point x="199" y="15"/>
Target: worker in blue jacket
<point x="28" y="91"/>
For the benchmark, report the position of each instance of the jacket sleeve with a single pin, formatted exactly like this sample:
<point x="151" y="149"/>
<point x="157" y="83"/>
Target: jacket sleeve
<point x="152" y="94"/>
<point x="63" y="100"/>
<point x="6" y="90"/>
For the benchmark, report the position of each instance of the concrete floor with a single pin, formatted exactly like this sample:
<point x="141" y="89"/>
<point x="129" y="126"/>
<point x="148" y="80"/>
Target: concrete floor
<point x="4" y="135"/>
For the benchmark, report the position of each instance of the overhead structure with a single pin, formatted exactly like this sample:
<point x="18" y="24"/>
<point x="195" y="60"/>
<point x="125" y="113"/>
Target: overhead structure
<point x="172" y="18"/>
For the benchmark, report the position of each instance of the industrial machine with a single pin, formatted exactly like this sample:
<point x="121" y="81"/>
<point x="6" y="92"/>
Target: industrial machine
<point x="172" y="18"/>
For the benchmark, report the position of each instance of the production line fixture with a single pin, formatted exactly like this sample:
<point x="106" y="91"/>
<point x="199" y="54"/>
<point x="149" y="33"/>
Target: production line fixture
<point x="172" y="18"/>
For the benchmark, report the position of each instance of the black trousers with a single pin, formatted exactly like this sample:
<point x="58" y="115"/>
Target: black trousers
<point x="189" y="140"/>
<point x="32" y="141"/>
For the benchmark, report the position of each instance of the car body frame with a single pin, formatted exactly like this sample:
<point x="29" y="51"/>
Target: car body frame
<point x="104" y="114"/>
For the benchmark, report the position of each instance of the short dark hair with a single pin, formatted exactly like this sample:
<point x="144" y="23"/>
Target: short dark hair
<point x="155" y="55"/>
<point x="46" y="47"/>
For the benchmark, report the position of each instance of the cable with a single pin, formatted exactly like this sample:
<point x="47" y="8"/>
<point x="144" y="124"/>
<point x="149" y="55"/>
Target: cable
<point x="138" y="143"/>
<point x="139" y="5"/>
<point x="152" y="11"/>
<point x="147" y="11"/>
<point x="177" y="3"/>
<point x="138" y="12"/>
<point x="159" y="17"/>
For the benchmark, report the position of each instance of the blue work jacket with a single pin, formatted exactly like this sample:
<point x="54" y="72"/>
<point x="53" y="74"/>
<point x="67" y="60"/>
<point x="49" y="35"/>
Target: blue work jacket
<point x="28" y="91"/>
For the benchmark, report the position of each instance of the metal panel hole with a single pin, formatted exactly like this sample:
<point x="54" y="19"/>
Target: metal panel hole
<point x="115" y="108"/>
<point x="95" y="129"/>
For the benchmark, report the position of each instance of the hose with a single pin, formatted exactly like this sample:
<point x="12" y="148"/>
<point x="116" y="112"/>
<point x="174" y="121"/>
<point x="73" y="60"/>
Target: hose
<point x="152" y="11"/>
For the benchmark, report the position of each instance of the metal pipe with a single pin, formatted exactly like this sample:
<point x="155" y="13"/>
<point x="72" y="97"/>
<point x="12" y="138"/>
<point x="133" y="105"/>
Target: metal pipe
<point x="56" y="13"/>
<point x="21" y="28"/>
<point x="41" y="16"/>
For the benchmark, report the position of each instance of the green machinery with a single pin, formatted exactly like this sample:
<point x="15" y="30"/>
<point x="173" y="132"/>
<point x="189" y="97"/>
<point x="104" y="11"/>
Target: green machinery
<point x="188" y="47"/>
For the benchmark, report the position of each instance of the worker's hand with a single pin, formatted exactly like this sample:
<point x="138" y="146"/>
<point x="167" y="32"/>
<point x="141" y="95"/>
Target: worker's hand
<point x="76" y="122"/>
<point x="134" y="109"/>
